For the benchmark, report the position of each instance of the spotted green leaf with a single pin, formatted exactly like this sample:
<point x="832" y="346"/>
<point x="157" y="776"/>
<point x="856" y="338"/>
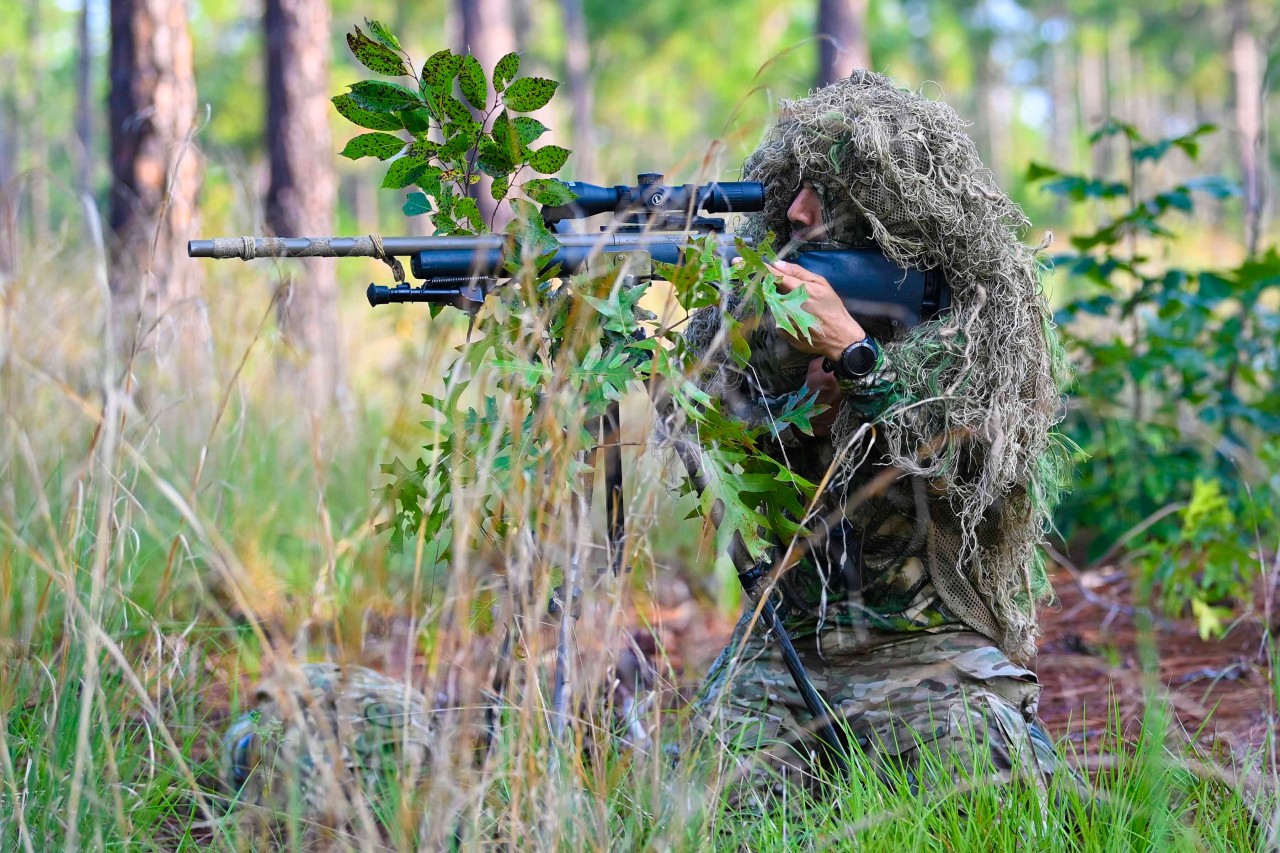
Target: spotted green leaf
<point x="376" y="57"/>
<point x="529" y="93"/>
<point x="440" y="69"/>
<point x="379" y="31"/>
<point x="382" y="97"/>
<point x="423" y="149"/>
<point x="505" y="71"/>
<point x="358" y="115"/>
<point x="548" y="191"/>
<point x="461" y="139"/>
<point x="447" y="106"/>
<point x="492" y="160"/>
<point x="500" y="187"/>
<point x="507" y="139"/>
<point x="416" y="121"/>
<point x="466" y="206"/>
<point x="455" y="147"/>
<point x="548" y="159"/>
<point x="384" y="146"/>
<point x="429" y="181"/>
<point x="403" y="172"/>
<point x="528" y="129"/>
<point x="472" y="82"/>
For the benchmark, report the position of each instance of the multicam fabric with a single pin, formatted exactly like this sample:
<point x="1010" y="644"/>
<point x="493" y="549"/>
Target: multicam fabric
<point x="320" y="735"/>
<point x="895" y="696"/>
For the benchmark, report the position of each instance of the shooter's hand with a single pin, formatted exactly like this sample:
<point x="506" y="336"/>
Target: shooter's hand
<point x="836" y="329"/>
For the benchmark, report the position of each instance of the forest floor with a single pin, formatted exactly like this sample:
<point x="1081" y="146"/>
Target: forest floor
<point x="1092" y="659"/>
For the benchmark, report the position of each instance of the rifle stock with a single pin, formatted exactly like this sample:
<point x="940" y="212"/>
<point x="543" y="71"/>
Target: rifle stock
<point x="459" y="270"/>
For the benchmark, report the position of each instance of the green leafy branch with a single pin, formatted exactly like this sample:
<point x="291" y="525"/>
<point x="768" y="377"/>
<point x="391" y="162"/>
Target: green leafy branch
<point x="553" y="352"/>
<point x="451" y="141"/>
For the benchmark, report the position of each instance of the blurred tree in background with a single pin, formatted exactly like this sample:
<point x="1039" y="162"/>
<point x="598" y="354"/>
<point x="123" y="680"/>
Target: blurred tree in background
<point x="487" y="34"/>
<point x="156" y="172"/>
<point x="842" y="39"/>
<point x="667" y="78"/>
<point x="302" y="188"/>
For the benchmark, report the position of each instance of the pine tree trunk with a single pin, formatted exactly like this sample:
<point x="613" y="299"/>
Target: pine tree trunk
<point x="156" y="175"/>
<point x="986" y="122"/>
<point x="1248" y="62"/>
<point x="488" y="34"/>
<point x="302" y="189"/>
<point x="521" y="24"/>
<point x="577" y="60"/>
<point x="1062" y="140"/>
<point x="1094" y="105"/>
<point x="842" y="39"/>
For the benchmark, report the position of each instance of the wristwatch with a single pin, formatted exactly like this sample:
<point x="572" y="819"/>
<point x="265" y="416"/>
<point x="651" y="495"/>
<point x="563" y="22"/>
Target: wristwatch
<point x="858" y="359"/>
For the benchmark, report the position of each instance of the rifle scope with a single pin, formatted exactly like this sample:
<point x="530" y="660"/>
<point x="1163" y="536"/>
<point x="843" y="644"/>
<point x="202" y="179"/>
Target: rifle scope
<point x="650" y="198"/>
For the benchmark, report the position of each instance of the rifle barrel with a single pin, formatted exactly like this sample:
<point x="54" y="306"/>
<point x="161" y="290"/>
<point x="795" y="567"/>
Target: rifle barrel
<point x="248" y="248"/>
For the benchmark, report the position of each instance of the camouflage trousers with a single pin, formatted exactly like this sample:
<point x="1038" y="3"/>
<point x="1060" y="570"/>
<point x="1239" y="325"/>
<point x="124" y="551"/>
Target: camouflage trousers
<point x="950" y="693"/>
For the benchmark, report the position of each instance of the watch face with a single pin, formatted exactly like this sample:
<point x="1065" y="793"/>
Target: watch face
<point x="860" y="358"/>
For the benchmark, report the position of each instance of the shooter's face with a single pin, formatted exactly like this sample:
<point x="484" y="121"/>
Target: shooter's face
<point x="805" y="216"/>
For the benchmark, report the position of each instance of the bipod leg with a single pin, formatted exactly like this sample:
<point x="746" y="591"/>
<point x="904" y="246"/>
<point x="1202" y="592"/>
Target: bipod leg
<point x="824" y="728"/>
<point x="749" y="576"/>
<point x="610" y="433"/>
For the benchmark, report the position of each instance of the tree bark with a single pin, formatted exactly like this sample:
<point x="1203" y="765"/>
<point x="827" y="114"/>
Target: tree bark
<point x="303" y="188"/>
<point x="988" y="123"/>
<point x="488" y="35"/>
<point x="522" y="24"/>
<point x="1065" y="128"/>
<point x="577" y="61"/>
<point x="842" y="39"/>
<point x="1248" y="63"/>
<point x="156" y="174"/>
<point x="1094" y="103"/>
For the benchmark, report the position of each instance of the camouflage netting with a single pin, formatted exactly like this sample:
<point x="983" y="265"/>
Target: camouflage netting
<point x="978" y="389"/>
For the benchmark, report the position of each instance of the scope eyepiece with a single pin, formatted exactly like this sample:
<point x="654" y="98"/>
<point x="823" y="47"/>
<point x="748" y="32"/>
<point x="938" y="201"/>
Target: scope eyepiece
<point x="733" y="197"/>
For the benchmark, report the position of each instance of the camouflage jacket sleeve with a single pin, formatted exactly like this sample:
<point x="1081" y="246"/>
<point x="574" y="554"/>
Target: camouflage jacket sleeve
<point x="869" y="396"/>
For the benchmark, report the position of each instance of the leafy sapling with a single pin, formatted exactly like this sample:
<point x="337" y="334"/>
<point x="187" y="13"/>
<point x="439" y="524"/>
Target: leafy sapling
<point x="553" y="352"/>
<point x="451" y="141"/>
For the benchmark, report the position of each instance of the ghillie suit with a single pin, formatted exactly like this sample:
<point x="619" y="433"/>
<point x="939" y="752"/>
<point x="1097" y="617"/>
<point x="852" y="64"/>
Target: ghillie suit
<point x="940" y="558"/>
<point x="320" y="739"/>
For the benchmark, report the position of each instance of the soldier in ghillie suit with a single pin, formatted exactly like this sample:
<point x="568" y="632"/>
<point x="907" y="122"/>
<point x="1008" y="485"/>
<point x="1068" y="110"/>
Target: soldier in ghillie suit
<point x="916" y="618"/>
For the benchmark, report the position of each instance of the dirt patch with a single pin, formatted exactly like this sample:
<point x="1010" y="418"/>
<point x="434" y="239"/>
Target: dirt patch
<point x="1099" y="652"/>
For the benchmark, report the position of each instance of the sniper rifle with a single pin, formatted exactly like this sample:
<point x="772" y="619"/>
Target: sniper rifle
<point x="651" y="222"/>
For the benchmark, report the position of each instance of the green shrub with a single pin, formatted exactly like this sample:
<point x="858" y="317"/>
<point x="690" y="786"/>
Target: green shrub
<point x="1176" y="398"/>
